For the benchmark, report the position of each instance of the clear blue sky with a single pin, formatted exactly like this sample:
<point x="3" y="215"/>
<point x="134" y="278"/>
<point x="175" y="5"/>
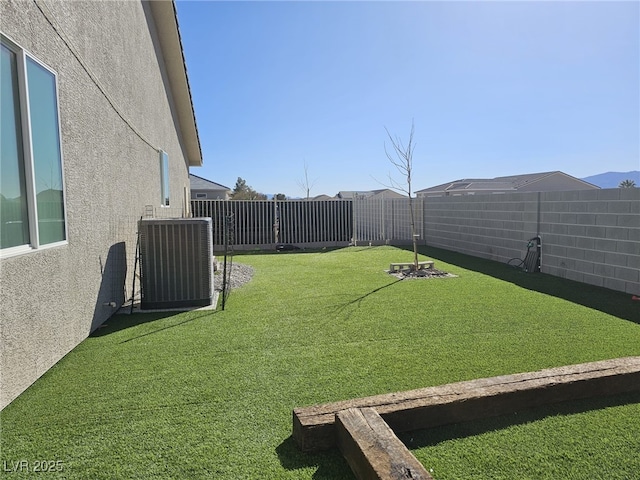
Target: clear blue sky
<point x="494" y="88"/>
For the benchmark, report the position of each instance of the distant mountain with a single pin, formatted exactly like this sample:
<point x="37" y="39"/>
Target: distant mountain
<point x="613" y="179"/>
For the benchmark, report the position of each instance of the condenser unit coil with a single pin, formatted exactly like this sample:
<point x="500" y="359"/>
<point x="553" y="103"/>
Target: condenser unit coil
<point x="176" y="263"/>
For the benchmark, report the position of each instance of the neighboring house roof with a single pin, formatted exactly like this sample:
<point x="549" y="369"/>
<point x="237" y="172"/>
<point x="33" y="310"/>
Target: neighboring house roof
<point x="199" y="183"/>
<point x="531" y="182"/>
<point x="384" y="192"/>
<point x="166" y="20"/>
<point x="323" y="197"/>
<point x="348" y="194"/>
<point x="387" y="193"/>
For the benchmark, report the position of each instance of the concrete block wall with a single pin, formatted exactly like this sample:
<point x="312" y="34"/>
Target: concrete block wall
<point x="496" y="227"/>
<point x="593" y="236"/>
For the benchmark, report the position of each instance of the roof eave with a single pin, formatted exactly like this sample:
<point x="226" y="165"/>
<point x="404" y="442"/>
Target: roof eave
<point x="166" y="20"/>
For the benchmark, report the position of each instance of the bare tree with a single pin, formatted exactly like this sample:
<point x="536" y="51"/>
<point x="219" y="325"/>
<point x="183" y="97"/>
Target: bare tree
<point x="304" y="183"/>
<point x="401" y="157"/>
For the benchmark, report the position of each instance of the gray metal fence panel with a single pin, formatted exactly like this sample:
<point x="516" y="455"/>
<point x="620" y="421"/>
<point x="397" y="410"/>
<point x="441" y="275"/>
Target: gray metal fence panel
<point x="386" y="220"/>
<point x="265" y="223"/>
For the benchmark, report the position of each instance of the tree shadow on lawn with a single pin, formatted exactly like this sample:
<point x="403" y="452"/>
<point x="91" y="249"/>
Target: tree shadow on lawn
<point x="341" y="308"/>
<point x="612" y="302"/>
<point x="434" y="436"/>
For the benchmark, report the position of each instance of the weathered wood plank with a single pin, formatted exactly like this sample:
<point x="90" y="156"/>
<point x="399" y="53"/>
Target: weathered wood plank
<point x="313" y="427"/>
<point x="372" y="449"/>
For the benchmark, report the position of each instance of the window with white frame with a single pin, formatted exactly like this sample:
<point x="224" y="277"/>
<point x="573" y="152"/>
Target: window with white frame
<point x="32" y="209"/>
<point x="164" y="178"/>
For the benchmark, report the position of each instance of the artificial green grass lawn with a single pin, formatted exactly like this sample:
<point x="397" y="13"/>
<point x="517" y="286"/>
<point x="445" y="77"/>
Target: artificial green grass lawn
<point x="210" y="394"/>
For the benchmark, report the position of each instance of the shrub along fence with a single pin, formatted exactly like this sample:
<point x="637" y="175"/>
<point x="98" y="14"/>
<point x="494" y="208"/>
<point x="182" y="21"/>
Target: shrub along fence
<point x="591" y="236"/>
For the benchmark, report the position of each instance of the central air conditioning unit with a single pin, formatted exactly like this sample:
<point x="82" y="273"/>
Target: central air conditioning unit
<point x="176" y="263"/>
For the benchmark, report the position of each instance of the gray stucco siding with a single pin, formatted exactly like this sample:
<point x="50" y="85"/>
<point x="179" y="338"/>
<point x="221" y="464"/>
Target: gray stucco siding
<point x="51" y="299"/>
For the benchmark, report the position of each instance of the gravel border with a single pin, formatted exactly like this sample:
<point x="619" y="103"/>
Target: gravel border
<point x="240" y="274"/>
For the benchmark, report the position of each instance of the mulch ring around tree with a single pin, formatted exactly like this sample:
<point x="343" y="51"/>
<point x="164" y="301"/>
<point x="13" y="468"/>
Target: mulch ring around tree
<point x="424" y="273"/>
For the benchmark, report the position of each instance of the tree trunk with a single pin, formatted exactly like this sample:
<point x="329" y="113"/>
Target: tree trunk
<point x="414" y="238"/>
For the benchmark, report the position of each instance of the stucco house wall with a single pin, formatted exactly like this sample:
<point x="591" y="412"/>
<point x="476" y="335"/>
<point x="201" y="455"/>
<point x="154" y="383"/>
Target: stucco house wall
<point x="117" y="110"/>
<point x="202" y="194"/>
